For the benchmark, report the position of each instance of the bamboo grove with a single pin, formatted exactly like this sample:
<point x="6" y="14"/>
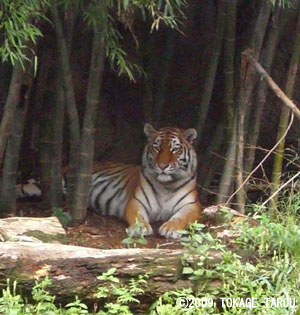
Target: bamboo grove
<point x="80" y="78"/>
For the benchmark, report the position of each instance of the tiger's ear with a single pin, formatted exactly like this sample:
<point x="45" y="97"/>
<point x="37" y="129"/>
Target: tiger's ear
<point x="190" y="135"/>
<point x="149" y="130"/>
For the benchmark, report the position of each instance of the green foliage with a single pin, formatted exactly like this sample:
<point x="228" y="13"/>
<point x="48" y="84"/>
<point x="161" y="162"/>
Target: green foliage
<point x="271" y="236"/>
<point x="76" y="307"/>
<point x="13" y="304"/>
<point x="199" y="246"/>
<point x="276" y="276"/>
<point x="280" y="234"/>
<point x="64" y="217"/>
<point x="123" y="294"/>
<point x="133" y="241"/>
<point x="167" y="12"/>
<point x="17" y="26"/>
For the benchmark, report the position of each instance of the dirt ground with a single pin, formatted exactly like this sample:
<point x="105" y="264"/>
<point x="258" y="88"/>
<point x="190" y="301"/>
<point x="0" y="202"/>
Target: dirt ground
<point x="105" y="232"/>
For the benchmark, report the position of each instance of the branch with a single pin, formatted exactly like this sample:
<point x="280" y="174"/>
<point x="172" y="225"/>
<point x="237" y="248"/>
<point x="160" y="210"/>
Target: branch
<point x="272" y="84"/>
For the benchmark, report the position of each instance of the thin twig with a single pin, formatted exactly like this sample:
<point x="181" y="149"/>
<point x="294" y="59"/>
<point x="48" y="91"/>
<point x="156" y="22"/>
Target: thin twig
<point x="279" y="189"/>
<point x="263" y="160"/>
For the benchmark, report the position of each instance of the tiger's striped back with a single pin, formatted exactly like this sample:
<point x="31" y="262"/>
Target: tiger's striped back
<point x="112" y="185"/>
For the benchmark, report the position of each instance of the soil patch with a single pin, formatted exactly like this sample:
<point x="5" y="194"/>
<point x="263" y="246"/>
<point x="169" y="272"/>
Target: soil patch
<point x="103" y="232"/>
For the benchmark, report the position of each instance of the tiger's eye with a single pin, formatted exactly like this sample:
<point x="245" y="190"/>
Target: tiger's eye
<point x="155" y="147"/>
<point x="175" y="150"/>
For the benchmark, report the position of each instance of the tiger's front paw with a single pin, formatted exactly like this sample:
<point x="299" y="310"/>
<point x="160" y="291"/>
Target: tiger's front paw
<point x="140" y="229"/>
<point x="170" y="229"/>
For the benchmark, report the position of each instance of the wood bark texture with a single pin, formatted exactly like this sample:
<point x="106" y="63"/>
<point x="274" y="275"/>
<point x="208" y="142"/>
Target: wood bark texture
<point x="28" y="229"/>
<point x="74" y="270"/>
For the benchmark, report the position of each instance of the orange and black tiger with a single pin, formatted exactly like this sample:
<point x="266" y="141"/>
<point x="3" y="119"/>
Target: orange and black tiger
<point x="163" y="188"/>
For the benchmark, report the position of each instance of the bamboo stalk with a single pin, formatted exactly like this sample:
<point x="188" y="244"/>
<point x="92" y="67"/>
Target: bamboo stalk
<point x="230" y="127"/>
<point x="229" y="53"/>
<point x="226" y="181"/>
<point x="88" y="130"/>
<point x="244" y="95"/>
<point x="211" y="70"/>
<point x="55" y="191"/>
<point x="285" y="114"/>
<point x="69" y="101"/>
<point x="11" y="161"/>
<point x="209" y="163"/>
<point x="260" y="95"/>
<point x="160" y="95"/>
<point x="11" y="103"/>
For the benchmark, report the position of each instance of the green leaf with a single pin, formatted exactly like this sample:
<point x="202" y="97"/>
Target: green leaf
<point x="187" y="270"/>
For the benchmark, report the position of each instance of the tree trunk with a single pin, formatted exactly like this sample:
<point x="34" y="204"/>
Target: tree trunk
<point x="88" y="130"/>
<point x="230" y="126"/>
<point x="12" y="153"/>
<point x="64" y="65"/>
<point x="244" y="95"/>
<point x="211" y="70"/>
<point x="11" y="103"/>
<point x="147" y="59"/>
<point x="285" y="114"/>
<point x="161" y="88"/>
<point x="46" y="143"/>
<point x="226" y="182"/>
<point x="229" y="53"/>
<point x="260" y="95"/>
<point x="42" y="80"/>
<point x="55" y="192"/>
<point x="74" y="270"/>
<point x="210" y="161"/>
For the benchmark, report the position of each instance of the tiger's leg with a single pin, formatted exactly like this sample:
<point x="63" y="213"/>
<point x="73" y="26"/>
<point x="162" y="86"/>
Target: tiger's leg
<point x="134" y="213"/>
<point x="181" y="220"/>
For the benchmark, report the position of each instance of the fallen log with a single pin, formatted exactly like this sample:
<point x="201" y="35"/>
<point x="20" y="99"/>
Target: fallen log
<point x="37" y="230"/>
<point x="74" y="270"/>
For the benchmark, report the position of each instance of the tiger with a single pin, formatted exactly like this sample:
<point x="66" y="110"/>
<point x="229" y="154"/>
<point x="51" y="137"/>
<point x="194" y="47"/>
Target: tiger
<point x="163" y="188"/>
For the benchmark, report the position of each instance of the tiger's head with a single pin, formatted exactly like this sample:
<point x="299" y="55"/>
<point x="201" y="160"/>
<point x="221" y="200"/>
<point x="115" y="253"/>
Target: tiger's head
<point x="169" y="154"/>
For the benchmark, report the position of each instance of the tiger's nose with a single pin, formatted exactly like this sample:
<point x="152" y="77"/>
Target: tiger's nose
<point x="163" y="166"/>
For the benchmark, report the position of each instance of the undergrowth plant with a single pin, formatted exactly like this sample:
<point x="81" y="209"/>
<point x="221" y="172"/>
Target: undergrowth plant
<point x="132" y="240"/>
<point x="271" y="272"/>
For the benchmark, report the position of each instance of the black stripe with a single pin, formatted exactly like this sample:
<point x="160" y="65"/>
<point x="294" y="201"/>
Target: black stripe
<point x="152" y="187"/>
<point x="178" y="201"/>
<point x="185" y="183"/>
<point x="189" y="203"/>
<point x="96" y="185"/>
<point x="186" y="160"/>
<point x="141" y="203"/>
<point x="108" y="202"/>
<point x="110" y="173"/>
<point x="146" y="197"/>
<point x="149" y="183"/>
<point x="100" y="181"/>
<point x="99" y="196"/>
<point x="118" y="191"/>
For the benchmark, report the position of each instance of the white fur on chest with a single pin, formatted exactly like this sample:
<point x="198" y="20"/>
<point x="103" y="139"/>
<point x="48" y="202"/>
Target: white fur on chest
<point x="164" y="203"/>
